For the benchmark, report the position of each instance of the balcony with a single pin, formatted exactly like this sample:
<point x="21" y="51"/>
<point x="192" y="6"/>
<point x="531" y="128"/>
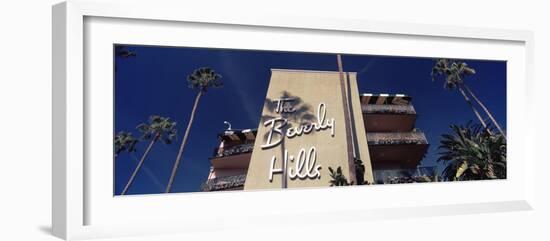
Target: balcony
<point x="396" y="138"/>
<point x="234" y="150"/>
<point x="224" y="183"/>
<point x="388" y="109"/>
<point x="232" y="157"/>
<point x="396" y="150"/>
<point x="388" y="118"/>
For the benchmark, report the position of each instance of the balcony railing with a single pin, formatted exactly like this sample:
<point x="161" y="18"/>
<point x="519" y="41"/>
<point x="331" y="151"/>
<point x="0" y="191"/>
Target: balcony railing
<point x="388" y="109"/>
<point x="419" y="174"/>
<point x="233" y="150"/>
<point x="223" y="183"/>
<point x="396" y="138"/>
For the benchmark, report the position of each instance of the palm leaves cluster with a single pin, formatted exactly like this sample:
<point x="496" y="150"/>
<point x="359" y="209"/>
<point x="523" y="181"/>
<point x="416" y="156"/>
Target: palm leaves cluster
<point x="203" y="78"/>
<point x="473" y="154"/>
<point x="338" y="178"/>
<point x="453" y="71"/>
<point x="161" y="128"/>
<point x="124" y="52"/>
<point x="125" y="141"/>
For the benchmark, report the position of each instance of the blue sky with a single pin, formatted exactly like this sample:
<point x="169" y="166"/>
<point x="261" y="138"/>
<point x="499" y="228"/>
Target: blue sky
<point x="154" y="83"/>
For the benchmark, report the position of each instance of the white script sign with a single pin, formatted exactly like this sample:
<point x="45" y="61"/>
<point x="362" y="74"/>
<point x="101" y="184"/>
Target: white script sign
<point x="305" y="161"/>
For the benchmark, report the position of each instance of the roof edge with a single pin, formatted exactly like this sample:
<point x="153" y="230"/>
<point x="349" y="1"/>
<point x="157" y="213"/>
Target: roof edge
<point x="309" y="71"/>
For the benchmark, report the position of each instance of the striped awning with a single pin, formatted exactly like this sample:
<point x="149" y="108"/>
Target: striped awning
<point x="238" y="135"/>
<point x="385" y="99"/>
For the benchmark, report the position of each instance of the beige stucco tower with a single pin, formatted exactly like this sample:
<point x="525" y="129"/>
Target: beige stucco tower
<point x="308" y="124"/>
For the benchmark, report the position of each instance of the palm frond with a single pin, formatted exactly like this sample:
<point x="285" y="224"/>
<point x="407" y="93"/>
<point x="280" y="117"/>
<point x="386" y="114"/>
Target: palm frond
<point x="452" y="72"/>
<point x="471" y="153"/>
<point x="125" y="141"/>
<point x="162" y="128"/>
<point x="204" y="78"/>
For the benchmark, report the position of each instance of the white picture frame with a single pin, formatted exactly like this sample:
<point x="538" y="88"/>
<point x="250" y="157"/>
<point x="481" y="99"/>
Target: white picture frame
<point x="72" y="193"/>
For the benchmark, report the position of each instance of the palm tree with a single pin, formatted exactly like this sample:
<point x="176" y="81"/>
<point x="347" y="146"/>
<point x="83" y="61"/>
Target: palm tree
<point x="473" y="154"/>
<point x="125" y="141"/>
<point x="200" y="80"/>
<point x="455" y="72"/>
<point x="157" y="128"/>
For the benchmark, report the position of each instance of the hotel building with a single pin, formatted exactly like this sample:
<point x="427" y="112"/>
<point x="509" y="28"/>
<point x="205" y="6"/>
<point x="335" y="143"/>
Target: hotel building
<point x="328" y="124"/>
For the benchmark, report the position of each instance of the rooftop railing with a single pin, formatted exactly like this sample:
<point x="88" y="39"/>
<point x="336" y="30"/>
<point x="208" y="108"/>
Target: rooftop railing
<point x="223" y="183"/>
<point x="396" y="138"/>
<point x="233" y="150"/>
<point x="388" y="109"/>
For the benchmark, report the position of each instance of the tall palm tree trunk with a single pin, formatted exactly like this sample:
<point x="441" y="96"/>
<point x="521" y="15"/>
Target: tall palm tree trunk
<point x="138" y="167"/>
<point x="183" y="142"/>
<point x="150" y="174"/>
<point x="474" y="109"/>
<point x="351" y="162"/>
<point x="485" y="109"/>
